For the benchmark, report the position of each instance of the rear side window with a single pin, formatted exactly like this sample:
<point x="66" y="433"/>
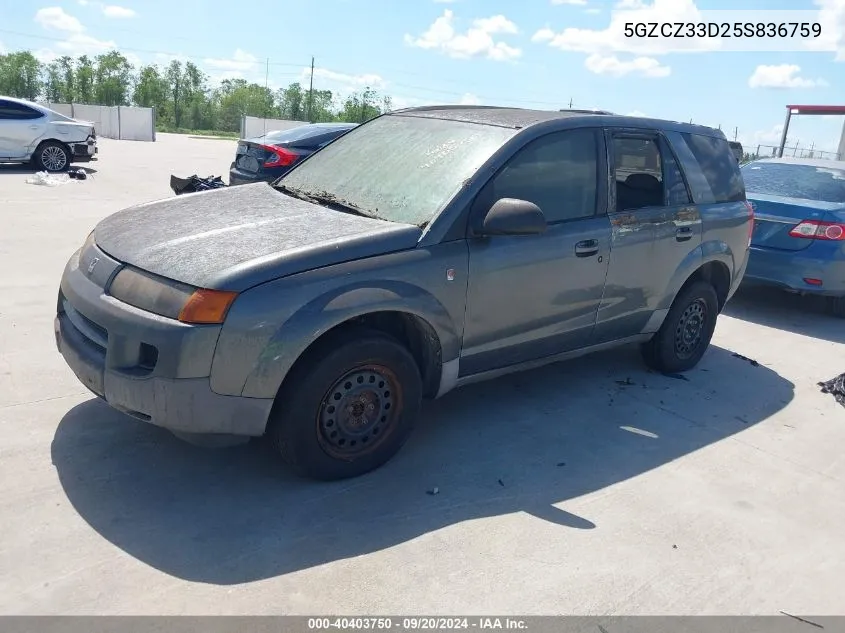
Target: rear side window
<point x="719" y="166"/>
<point x="810" y="182"/>
<point x="11" y="111"/>
<point x="558" y="173"/>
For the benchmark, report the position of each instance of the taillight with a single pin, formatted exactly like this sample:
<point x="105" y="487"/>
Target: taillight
<point x="815" y="230"/>
<point x="750" y="206"/>
<point x="279" y="156"/>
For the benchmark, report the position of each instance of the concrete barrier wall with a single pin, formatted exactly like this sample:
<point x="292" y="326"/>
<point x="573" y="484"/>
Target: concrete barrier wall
<point x="118" y="122"/>
<point x="254" y="126"/>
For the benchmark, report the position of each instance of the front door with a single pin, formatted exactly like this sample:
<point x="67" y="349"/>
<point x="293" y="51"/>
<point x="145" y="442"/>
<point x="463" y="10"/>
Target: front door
<point x="655" y="228"/>
<point x="529" y="297"/>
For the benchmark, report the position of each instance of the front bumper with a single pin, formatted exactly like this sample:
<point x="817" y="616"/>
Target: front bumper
<point x="152" y="368"/>
<point x="788" y="270"/>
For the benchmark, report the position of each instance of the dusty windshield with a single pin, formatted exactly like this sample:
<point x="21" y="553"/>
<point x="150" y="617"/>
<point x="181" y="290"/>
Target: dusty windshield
<point x="399" y="168"/>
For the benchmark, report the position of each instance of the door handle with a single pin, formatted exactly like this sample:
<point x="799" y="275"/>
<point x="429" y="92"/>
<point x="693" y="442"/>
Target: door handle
<point x="587" y="248"/>
<point x="683" y="234"/>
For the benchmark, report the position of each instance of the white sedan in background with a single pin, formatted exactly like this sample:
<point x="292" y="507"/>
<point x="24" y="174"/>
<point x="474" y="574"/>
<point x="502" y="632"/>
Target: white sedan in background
<point x="29" y="132"/>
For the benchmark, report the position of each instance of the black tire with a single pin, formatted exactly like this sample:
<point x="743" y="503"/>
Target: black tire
<point x="378" y="381"/>
<point x="52" y="157"/>
<point x="674" y="348"/>
<point x="837" y="306"/>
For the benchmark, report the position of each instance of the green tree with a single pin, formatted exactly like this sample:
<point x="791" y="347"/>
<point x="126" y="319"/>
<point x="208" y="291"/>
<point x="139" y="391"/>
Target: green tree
<point x="84" y="80"/>
<point x="361" y="106"/>
<point x="150" y="88"/>
<point x="20" y="75"/>
<point x="113" y="78"/>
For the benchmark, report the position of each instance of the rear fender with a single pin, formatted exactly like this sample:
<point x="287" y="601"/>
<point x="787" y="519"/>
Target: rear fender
<point x="705" y="253"/>
<point x="329" y="310"/>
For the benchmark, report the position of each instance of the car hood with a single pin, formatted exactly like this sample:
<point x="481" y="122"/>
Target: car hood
<point x="237" y="237"/>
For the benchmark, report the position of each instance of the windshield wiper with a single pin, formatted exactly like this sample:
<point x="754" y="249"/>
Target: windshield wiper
<point x="326" y="199"/>
<point x="296" y="193"/>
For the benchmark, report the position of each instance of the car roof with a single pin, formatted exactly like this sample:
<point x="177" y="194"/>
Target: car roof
<point x="25" y="102"/>
<point x="519" y="118"/>
<point x="810" y="162"/>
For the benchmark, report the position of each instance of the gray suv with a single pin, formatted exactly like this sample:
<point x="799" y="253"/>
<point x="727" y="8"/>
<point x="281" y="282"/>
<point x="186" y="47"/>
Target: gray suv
<point x="426" y="249"/>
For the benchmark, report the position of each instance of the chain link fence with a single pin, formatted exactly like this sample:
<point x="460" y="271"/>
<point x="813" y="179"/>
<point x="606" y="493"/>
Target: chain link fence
<point x="793" y="151"/>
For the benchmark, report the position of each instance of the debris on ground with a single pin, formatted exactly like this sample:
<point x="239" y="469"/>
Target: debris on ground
<point x="746" y="359"/>
<point x="77" y="173"/>
<point x="561" y="464"/>
<point x="741" y="419"/>
<point x="433" y="491"/>
<point x="677" y="376"/>
<point x="48" y="180"/>
<point x="835" y="387"/>
<point x="626" y="383"/>
<point x="193" y="184"/>
<point x="502" y="483"/>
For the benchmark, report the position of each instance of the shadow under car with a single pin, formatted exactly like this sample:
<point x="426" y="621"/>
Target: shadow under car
<point x="525" y="442"/>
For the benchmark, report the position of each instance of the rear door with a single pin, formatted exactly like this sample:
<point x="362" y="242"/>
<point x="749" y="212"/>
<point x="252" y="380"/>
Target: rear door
<point x="20" y="128"/>
<point x="655" y="227"/>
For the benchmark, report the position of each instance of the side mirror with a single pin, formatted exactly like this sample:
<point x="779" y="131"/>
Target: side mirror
<point x="510" y="216"/>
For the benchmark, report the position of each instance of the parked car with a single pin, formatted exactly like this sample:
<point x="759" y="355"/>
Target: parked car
<point x="30" y="132"/>
<point x="267" y="157"/>
<point x="426" y="249"/>
<point x="799" y="235"/>
<point x="736" y="148"/>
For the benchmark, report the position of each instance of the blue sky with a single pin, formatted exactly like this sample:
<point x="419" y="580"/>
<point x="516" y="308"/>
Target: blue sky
<point x="532" y="53"/>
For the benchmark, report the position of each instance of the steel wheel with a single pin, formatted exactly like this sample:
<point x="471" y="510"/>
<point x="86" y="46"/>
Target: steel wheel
<point x="53" y="158"/>
<point x="358" y="412"/>
<point x="690" y="329"/>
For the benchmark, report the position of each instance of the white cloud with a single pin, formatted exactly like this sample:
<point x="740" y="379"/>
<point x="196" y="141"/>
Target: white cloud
<point x="782" y="76"/>
<point x="640" y="66"/>
<point x="355" y="82"/>
<point x="637" y="113"/>
<point x="612" y="39"/>
<point x="240" y="61"/>
<point x="114" y="11"/>
<point x="470" y="99"/>
<point x="575" y="2"/>
<point x="81" y="44"/>
<point x="477" y="41"/>
<point x="2" y="49"/>
<point x="832" y="16"/>
<point x="593" y="10"/>
<point x="55" y="18"/>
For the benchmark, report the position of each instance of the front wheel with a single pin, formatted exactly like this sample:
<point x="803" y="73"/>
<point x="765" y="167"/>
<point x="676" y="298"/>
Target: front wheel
<point x="52" y="157"/>
<point x="348" y="407"/>
<point x="685" y="334"/>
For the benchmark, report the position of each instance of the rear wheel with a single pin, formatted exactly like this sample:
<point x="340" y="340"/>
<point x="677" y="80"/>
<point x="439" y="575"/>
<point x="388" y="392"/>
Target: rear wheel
<point x="348" y="407"/>
<point x="685" y="334"/>
<point x="52" y="157"/>
<point x="837" y="306"/>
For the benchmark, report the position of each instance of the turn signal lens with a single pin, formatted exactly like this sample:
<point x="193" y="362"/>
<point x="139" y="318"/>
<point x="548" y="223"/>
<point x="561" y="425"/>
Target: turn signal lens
<point x="207" y="306"/>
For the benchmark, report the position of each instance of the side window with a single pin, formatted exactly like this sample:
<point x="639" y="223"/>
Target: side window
<point x="558" y="173"/>
<point x="676" y="189"/>
<point x="638" y="173"/>
<point x="719" y="166"/>
<point x="17" y="112"/>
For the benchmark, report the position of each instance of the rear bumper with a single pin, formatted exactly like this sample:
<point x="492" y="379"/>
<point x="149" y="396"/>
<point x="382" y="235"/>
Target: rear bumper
<point x="789" y="269"/>
<point x="107" y="345"/>
<point x="241" y="177"/>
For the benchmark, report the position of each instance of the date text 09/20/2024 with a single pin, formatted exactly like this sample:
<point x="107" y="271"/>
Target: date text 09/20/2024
<point x="415" y="624"/>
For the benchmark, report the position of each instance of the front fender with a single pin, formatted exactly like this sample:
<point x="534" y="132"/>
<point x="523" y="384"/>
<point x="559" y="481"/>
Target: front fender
<point x="334" y="308"/>
<point x="269" y="326"/>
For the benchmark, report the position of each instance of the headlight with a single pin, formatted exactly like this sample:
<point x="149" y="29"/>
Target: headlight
<point x="169" y="298"/>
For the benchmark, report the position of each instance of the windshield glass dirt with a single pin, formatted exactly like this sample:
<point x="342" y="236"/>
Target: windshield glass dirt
<point x="399" y="168"/>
